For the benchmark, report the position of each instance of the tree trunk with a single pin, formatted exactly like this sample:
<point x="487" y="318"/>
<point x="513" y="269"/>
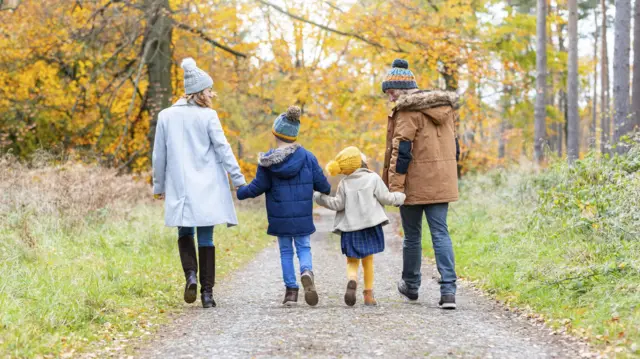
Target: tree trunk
<point x="604" y="73"/>
<point x="562" y="94"/>
<point x="573" y="128"/>
<point x="159" y="61"/>
<point x="594" y="122"/>
<point x="621" y="52"/>
<point x="540" y="109"/>
<point x="450" y="77"/>
<point x="559" y="127"/>
<point x="551" y="82"/>
<point x="502" y="141"/>
<point x="506" y="104"/>
<point x="635" y="105"/>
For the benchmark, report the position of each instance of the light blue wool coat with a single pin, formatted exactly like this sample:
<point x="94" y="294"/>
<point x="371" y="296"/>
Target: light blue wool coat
<point x="191" y="160"/>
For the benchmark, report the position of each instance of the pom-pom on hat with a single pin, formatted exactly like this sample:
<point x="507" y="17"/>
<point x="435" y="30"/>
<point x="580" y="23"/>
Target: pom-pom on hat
<point x="346" y="162"/>
<point x="399" y="77"/>
<point x="287" y="125"/>
<point x="195" y="80"/>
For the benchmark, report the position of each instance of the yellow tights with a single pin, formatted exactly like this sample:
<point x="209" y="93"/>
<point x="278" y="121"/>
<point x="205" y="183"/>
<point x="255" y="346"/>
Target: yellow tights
<point x="367" y="265"/>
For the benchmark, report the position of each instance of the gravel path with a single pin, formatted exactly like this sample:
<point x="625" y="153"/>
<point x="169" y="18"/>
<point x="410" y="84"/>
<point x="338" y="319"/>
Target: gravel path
<point x="250" y="321"/>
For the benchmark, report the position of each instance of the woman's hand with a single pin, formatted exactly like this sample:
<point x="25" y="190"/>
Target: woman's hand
<point x="159" y="196"/>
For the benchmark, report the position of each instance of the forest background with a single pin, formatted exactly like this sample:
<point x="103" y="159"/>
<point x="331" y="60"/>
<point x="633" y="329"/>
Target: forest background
<point x="87" y="78"/>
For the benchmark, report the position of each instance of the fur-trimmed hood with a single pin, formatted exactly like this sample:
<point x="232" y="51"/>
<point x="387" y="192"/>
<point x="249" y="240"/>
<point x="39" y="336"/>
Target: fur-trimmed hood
<point x="276" y="156"/>
<point x="423" y="100"/>
<point x="283" y="162"/>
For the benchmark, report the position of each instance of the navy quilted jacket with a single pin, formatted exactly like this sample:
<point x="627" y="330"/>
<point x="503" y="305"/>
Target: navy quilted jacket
<point x="288" y="176"/>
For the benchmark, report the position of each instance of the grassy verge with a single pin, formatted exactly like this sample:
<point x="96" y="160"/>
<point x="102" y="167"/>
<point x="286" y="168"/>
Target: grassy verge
<point x="75" y="273"/>
<point x="563" y="243"/>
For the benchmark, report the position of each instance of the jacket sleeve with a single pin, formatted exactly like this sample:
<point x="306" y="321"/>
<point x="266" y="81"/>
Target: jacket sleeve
<point x="223" y="151"/>
<point x="402" y="143"/>
<point x="387" y="198"/>
<point x="159" y="159"/>
<point x="333" y="203"/>
<point x="258" y="186"/>
<point x="320" y="182"/>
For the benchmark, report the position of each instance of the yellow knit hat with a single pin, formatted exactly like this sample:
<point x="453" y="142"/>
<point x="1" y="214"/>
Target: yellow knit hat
<point x="346" y="162"/>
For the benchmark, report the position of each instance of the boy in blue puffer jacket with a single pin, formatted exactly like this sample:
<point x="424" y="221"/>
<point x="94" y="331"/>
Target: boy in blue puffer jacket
<point x="288" y="175"/>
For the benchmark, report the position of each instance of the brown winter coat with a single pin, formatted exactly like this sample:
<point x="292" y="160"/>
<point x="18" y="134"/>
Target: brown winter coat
<point x="420" y="157"/>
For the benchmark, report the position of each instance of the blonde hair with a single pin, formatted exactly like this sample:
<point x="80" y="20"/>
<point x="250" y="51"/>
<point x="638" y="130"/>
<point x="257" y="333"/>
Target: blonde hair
<point x="199" y="98"/>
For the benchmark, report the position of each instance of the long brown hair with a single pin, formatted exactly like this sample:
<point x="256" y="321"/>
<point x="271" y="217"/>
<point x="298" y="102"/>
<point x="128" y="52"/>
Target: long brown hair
<point x="200" y="99"/>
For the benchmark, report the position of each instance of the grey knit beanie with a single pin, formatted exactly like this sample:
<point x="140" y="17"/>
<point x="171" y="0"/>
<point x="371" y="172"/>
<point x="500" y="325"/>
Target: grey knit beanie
<point x="195" y="80"/>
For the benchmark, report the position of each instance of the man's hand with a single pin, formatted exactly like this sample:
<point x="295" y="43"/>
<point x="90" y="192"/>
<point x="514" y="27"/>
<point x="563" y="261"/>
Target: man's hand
<point x="159" y="196"/>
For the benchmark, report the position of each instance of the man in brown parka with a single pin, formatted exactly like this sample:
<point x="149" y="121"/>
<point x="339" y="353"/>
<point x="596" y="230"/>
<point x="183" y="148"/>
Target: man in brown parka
<point x="421" y="161"/>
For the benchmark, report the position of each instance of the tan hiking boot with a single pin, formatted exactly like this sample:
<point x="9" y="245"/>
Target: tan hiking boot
<point x="310" y="293"/>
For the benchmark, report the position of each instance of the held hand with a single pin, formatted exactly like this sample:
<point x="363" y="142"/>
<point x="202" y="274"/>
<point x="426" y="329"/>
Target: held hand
<point x="401" y="198"/>
<point x="159" y="196"/>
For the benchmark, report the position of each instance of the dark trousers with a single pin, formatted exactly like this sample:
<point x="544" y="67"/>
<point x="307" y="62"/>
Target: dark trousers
<point x="412" y="245"/>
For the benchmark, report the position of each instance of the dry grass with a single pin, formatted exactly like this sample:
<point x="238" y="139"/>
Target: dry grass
<point x="86" y="258"/>
<point x="70" y="190"/>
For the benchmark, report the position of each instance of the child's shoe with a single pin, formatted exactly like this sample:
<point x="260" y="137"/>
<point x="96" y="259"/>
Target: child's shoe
<point x="368" y="297"/>
<point x="290" y="296"/>
<point x="350" y="294"/>
<point x="310" y="294"/>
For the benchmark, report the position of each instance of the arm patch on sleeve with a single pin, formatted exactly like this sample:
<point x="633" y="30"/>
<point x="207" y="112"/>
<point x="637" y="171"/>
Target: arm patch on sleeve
<point x="404" y="157"/>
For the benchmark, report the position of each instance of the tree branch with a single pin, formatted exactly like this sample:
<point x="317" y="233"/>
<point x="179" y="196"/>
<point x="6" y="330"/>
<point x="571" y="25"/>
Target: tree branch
<point x="206" y="38"/>
<point x="143" y="61"/>
<point x="335" y="7"/>
<point x="342" y="33"/>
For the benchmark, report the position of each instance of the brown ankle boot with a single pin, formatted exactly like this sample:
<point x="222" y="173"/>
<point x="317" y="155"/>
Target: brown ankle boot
<point x="290" y="296"/>
<point x="368" y="297"/>
<point x="350" y="294"/>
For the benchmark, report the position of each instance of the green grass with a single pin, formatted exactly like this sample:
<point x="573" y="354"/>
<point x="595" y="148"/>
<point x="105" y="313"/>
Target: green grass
<point x="65" y="288"/>
<point x="562" y="244"/>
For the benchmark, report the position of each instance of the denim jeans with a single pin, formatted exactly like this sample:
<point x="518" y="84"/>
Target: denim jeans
<point x="442" y="247"/>
<point x="303" y="248"/>
<point x="205" y="235"/>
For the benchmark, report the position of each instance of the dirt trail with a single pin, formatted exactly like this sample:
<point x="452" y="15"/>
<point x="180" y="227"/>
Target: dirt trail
<point x="250" y="321"/>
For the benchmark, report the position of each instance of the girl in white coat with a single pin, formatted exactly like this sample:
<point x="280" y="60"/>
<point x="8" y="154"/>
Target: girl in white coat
<point x="191" y="160"/>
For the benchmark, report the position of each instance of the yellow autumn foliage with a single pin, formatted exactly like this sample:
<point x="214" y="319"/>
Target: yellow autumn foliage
<point x="73" y="75"/>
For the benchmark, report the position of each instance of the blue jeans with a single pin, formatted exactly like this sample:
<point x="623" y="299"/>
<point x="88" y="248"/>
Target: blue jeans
<point x="442" y="248"/>
<point x="205" y="235"/>
<point x="303" y="248"/>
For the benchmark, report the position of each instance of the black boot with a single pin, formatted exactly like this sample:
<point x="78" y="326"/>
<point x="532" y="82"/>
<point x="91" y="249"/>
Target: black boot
<point x="207" y="275"/>
<point x="190" y="266"/>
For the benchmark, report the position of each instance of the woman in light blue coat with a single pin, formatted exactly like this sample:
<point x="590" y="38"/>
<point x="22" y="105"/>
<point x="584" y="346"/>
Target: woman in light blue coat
<point x="191" y="163"/>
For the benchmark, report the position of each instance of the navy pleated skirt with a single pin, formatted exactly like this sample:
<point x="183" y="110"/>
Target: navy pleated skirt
<point x="363" y="243"/>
